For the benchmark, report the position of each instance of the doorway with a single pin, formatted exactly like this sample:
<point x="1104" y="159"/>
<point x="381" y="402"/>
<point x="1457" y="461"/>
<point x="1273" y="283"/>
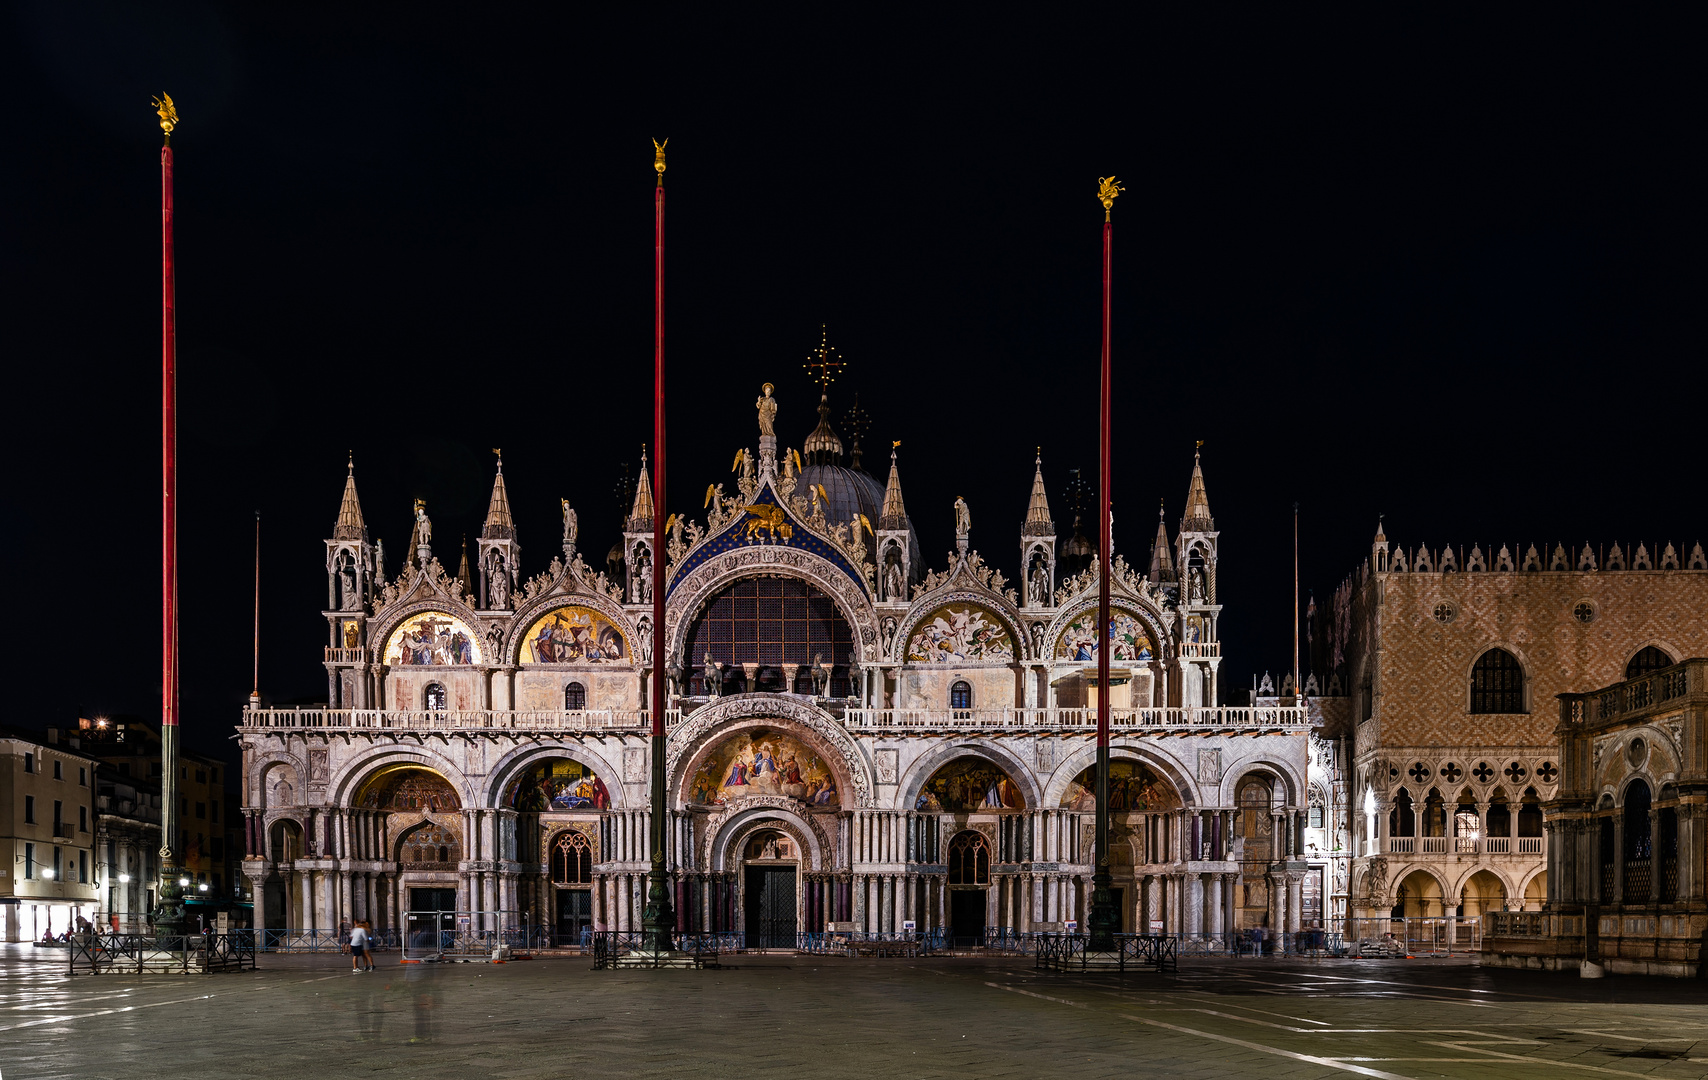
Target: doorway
<point x="432" y="899"/>
<point x="966" y="915"/>
<point x="770" y="905"/>
<point x="574" y="915"/>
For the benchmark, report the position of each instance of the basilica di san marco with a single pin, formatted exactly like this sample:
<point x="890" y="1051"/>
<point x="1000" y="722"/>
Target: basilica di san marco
<point x="857" y="740"/>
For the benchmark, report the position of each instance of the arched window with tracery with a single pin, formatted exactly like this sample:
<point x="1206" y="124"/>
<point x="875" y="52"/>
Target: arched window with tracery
<point x="1647" y="659"/>
<point x="969" y="859"/>
<point x="575" y="697"/>
<point x="572" y="860"/>
<point x="1497" y="683"/>
<point x="433" y="698"/>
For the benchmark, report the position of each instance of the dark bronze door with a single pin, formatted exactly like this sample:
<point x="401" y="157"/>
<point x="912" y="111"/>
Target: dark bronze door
<point x="770" y="907"/>
<point x="966" y="916"/>
<point x="574" y="915"/>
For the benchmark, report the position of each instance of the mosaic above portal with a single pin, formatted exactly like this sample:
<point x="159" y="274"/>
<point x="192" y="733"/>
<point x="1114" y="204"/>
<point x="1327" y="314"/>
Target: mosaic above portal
<point x="574" y="635"/>
<point x="960" y="633"/>
<point x="763" y="764"/>
<point x="1132" y="786"/>
<point x="1079" y="640"/>
<point x="558" y="784"/>
<point x="406" y="790"/>
<point x="968" y="784"/>
<point x="432" y="637"/>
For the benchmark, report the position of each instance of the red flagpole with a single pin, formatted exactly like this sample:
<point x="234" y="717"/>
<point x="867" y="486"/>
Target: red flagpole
<point x="658" y="919"/>
<point x="168" y="915"/>
<point x="1104" y="920"/>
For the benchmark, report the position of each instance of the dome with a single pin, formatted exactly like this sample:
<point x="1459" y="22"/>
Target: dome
<point x="851" y="492"/>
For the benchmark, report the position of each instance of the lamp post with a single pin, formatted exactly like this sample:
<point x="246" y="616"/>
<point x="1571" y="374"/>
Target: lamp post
<point x="1104" y="921"/>
<point x="658" y="918"/>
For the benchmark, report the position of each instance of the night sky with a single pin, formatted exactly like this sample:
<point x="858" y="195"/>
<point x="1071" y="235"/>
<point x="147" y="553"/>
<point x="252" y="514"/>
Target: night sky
<point x="1442" y="268"/>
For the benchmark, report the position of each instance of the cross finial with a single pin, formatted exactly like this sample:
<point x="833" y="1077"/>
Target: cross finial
<point x="826" y="359"/>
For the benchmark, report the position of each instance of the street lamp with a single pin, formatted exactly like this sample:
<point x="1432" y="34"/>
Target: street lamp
<point x="203" y="887"/>
<point x="48" y="874"/>
<point x="124" y="879"/>
<point x="183" y="883"/>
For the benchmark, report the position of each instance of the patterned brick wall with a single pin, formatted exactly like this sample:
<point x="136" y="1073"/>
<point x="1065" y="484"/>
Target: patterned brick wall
<point x="1422" y="681"/>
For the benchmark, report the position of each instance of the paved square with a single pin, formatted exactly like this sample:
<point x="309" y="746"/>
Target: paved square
<point x="825" y="1017"/>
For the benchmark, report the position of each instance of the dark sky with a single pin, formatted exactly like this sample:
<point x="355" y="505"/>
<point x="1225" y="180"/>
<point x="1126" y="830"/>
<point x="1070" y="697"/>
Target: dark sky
<point x="1438" y="266"/>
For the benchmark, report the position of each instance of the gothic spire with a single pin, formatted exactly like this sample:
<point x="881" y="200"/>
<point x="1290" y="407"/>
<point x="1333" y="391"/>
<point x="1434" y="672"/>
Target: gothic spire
<point x="499" y="524"/>
<point x="895" y="514"/>
<point x="1197" y="517"/>
<point x="640" y="514"/>
<point x="463" y="574"/>
<point x="350" y="525"/>
<point x="1038" y="520"/>
<point x="1162" y="563"/>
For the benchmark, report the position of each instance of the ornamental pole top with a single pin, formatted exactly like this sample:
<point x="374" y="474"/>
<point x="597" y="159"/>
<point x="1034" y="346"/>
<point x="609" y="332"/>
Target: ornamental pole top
<point x="168" y="114"/>
<point x="1107" y="189"/>
<point x="658" y="158"/>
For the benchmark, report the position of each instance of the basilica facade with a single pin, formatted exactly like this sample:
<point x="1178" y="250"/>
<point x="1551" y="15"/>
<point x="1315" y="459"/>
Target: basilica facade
<point x="855" y="738"/>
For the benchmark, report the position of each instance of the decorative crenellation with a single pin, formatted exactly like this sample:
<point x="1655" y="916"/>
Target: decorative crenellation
<point x="1614" y="557"/>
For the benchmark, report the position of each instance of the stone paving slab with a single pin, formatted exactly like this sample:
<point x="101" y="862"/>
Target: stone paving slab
<point x="307" y="1016"/>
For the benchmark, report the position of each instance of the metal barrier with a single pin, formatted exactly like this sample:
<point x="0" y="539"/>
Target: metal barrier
<point x="1071" y="952"/>
<point x="431" y="936"/>
<point x="875" y="944"/>
<point x="101" y="954"/>
<point x="1411" y="936"/>
<point x="610" y="946"/>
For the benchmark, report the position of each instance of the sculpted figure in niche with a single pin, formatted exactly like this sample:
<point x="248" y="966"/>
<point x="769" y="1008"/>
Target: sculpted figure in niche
<point x="1037" y="639"/>
<point x="889" y="632"/>
<point x="347" y="586"/>
<point x="1195" y="589"/>
<point x="895" y="589"/>
<point x="1040" y="589"/>
<point x="499" y="589"/>
<point x="767" y="406"/>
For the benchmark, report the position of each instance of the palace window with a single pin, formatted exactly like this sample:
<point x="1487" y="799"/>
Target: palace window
<point x="574" y="697"/>
<point x="1584" y="611"/>
<point x="59" y="770"/>
<point x="434" y="697"/>
<point x="572" y="860"/>
<point x="29" y="762"/>
<point x="1497" y="683"/>
<point x="1647" y="660"/>
<point x="29" y="809"/>
<point x="969" y="859"/>
<point x="961" y="695"/>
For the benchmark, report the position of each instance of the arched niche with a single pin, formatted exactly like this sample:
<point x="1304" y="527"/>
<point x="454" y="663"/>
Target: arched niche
<point x="1133" y="638"/>
<point x="407" y="788"/>
<point x="432" y="639"/>
<point x="574" y="634"/>
<point x="762" y="761"/>
<point x="554" y="785"/>
<point x="969" y="785"/>
<point x="1134" y="787"/>
<point x="960" y="633"/>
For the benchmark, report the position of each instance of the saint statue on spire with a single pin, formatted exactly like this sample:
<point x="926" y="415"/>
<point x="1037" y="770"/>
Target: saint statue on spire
<point x="767" y="406"/>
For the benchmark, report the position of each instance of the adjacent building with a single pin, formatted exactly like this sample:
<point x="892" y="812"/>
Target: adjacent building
<point x="1453" y="662"/>
<point x="47" y="825"/>
<point x="1628" y="866"/>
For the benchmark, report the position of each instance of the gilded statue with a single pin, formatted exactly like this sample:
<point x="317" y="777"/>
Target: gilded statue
<point x="658" y="158"/>
<point x="1107" y="189"/>
<point x="767" y="406"/>
<point x="168" y="114"/>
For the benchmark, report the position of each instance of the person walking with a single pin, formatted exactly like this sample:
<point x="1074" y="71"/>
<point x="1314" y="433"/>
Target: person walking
<point x="359" y="948"/>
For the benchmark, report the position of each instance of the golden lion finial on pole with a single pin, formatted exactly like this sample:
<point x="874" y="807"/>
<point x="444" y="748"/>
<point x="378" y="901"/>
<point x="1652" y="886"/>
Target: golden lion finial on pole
<point x="168" y="114"/>
<point x="1107" y="189"/>
<point x="658" y="158"/>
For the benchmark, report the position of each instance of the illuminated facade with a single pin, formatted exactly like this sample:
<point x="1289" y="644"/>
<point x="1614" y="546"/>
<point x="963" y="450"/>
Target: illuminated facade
<point x="854" y="738"/>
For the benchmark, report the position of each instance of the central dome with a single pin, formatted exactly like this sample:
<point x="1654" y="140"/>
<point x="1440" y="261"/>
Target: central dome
<point x="849" y="491"/>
